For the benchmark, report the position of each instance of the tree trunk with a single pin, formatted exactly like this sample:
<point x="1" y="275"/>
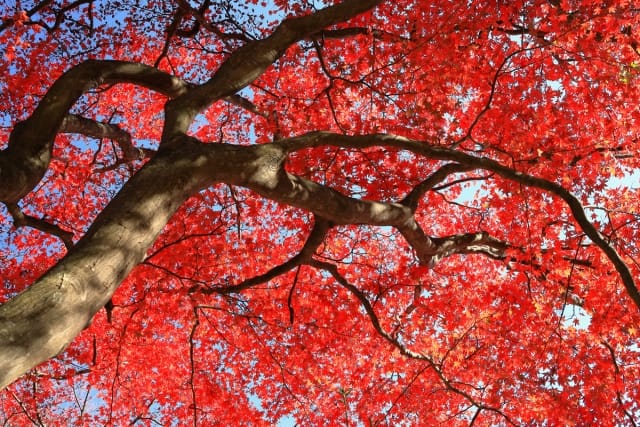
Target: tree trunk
<point x="40" y="322"/>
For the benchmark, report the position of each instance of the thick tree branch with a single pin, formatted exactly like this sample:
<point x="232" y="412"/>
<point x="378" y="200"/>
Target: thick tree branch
<point x="40" y="322"/>
<point x="470" y="243"/>
<point x="268" y="178"/>
<point x="26" y="159"/>
<point x="271" y="181"/>
<point x="264" y="173"/>
<point x="343" y="33"/>
<point x="316" y="139"/>
<point x="248" y="62"/>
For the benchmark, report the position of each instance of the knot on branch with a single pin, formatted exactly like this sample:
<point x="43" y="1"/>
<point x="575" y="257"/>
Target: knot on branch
<point x="274" y="161"/>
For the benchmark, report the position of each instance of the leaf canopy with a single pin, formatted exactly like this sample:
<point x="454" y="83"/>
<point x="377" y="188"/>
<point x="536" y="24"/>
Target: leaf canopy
<point x="400" y="212"/>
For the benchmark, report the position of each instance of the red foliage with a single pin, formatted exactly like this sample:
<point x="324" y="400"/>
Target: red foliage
<point x="546" y="336"/>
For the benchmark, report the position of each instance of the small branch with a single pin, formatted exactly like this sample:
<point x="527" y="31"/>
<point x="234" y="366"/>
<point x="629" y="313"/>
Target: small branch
<point x="333" y="270"/>
<point x="290" y="297"/>
<point x="243" y="102"/>
<point x="192" y="363"/>
<point x="314" y="240"/>
<point x="73" y="123"/>
<point x="519" y="30"/>
<point x="462" y="180"/>
<point x="201" y="21"/>
<point x="413" y="198"/>
<point x="342" y="281"/>
<point x="20" y="219"/>
<point x="171" y="30"/>
<point x="59" y="15"/>
<point x="35" y="9"/>
<point x="616" y="370"/>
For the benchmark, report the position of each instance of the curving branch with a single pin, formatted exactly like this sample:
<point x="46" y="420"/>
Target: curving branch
<point x="617" y="374"/>
<point x="264" y="173"/>
<point x="249" y="61"/>
<point x="201" y="21"/>
<point x="171" y="31"/>
<point x="8" y="22"/>
<point x="74" y="123"/>
<point x="20" y="219"/>
<point x="412" y="199"/>
<point x="315" y="239"/>
<point x="60" y="15"/>
<point x="424" y="148"/>
<point x="24" y="162"/>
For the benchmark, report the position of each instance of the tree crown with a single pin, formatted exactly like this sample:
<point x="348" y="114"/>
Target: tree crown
<point x="371" y="212"/>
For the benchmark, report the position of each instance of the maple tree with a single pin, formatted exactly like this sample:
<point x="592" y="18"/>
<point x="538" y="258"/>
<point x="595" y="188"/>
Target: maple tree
<point x="357" y="212"/>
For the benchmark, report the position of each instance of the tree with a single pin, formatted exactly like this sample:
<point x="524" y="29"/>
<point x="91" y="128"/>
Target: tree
<point x="363" y="212"/>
